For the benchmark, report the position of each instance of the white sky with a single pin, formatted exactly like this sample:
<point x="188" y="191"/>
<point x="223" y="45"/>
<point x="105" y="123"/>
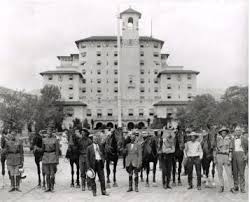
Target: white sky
<point x="210" y="36"/>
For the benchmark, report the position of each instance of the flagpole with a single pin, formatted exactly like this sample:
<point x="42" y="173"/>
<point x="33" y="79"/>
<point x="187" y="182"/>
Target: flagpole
<point x="119" y="72"/>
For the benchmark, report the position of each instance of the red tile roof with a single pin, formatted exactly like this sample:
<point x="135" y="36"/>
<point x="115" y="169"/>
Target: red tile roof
<point x="71" y="103"/>
<point x="177" y="71"/>
<point x="130" y="10"/>
<point x="60" y="72"/>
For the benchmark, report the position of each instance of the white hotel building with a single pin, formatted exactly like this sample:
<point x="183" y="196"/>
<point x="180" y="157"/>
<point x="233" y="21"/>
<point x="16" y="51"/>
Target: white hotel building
<point x="88" y="81"/>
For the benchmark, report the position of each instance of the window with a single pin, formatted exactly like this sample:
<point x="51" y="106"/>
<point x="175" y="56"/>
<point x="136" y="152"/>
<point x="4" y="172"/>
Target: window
<point x="69" y="111"/>
<point x="83" y="63"/>
<point x="142" y="71"/>
<point x="60" y="78"/>
<point x="168" y="77"/>
<point x="116" y="80"/>
<point x="99" y="113"/>
<point x="83" y="46"/>
<point x="115" y="54"/>
<point x="156" y="90"/>
<point x="142" y="46"/>
<point x="83" y="80"/>
<point x="98" y="71"/>
<point x="98" y="53"/>
<point x="179" y="77"/>
<point x="98" y="62"/>
<point x="83" y="54"/>
<point x="84" y="90"/>
<point x="71" y="77"/>
<point x="189" y="96"/>
<point x="89" y="112"/>
<point x="169" y="96"/>
<point x="151" y="112"/>
<point x="50" y="77"/>
<point x="99" y="90"/>
<point x="98" y="80"/>
<point x="115" y="63"/>
<point x="83" y="71"/>
<point x="115" y="90"/>
<point x="70" y="96"/>
<point x="189" y="86"/>
<point x="169" y="112"/>
<point x="142" y="97"/>
<point x="156" y="71"/>
<point x="155" y="45"/>
<point x="141" y="112"/>
<point x="98" y="46"/>
<point x="142" y="90"/>
<point x="156" y="54"/>
<point x="156" y="80"/>
<point x="130" y="112"/>
<point x="169" y="86"/>
<point x="189" y="76"/>
<point x="99" y="100"/>
<point x="142" y="53"/>
<point x="115" y="71"/>
<point x="141" y="62"/>
<point x="110" y="112"/>
<point x="70" y="87"/>
<point x="142" y="80"/>
<point x="115" y="46"/>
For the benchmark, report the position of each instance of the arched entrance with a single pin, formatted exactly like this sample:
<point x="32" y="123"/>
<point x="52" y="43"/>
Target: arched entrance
<point x="99" y="125"/>
<point x="141" y="125"/>
<point x="110" y="125"/>
<point x="130" y="125"/>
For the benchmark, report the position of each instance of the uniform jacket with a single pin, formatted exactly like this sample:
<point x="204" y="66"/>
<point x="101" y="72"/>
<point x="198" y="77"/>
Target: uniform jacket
<point x="91" y="156"/>
<point x="50" y="148"/>
<point x="134" y="155"/>
<point x="14" y="151"/>
<point x="168" y="144"/>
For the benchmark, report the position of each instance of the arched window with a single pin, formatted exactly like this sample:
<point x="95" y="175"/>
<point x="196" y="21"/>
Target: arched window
<point x="130" y="22"/>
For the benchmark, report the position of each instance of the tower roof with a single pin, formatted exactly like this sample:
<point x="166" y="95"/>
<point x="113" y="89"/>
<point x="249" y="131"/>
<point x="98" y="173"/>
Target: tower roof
<point x="129" y="11"/>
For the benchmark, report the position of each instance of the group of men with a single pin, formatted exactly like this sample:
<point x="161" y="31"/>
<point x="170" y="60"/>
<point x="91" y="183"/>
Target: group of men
<point x="230" y="151"/>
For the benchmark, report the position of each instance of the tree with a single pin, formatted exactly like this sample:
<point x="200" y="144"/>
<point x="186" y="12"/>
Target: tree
<point x="85" y="124"/>
<point x="198" y="113"/>
<point x="16" y="109"/>
<point x="49" y="109"/>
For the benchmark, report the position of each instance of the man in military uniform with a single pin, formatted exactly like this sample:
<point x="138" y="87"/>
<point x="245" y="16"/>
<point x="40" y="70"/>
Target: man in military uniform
<point x="50" y="148"/>
<point x="223" y="157"/>
<point x="133" y="161"/>
<point x="15" y="158"/>
<point x="83" y="143"/>
<point x="239" y="159"/>
<point x="167" y="147"/>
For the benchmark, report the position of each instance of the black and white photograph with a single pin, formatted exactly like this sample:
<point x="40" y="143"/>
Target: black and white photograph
<point x="121" y="100"/>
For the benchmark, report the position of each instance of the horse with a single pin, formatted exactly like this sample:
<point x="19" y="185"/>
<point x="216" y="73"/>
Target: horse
<point x="178" y="155"/>
<point x="112" y="146"/>
<point x="149" y="154"/>
<point x="73" y="155"/>
<point x="207" y="147"/>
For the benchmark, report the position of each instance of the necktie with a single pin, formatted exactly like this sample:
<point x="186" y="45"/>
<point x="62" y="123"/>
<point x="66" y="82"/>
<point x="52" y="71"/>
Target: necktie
<point x="97" y="149"/>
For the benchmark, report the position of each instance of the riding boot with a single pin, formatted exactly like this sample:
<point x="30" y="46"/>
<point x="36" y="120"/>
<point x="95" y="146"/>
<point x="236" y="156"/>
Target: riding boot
<point x="12" y="181"/>
<point x="136" y="184"/>
<point x="52" y="182"/>
<point x="18" y="178"/>
<point x="39" y="181"/>
<point x="83" y="184"/>
<point x="48" y="184"/>
<point x="130" y="184"/>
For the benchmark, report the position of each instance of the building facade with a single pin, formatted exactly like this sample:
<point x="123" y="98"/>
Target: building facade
<point x="88" y="81"/>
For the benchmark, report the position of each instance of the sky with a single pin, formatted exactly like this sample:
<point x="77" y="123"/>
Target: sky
<point x="208" y="36"/>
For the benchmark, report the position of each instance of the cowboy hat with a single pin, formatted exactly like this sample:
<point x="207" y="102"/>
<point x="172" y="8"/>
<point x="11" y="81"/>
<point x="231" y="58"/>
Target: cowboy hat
<point x="90" y="173"/>
<point x="238" y="128"/>
<point x="193" y="134"/>
<point x="224" y="129"/>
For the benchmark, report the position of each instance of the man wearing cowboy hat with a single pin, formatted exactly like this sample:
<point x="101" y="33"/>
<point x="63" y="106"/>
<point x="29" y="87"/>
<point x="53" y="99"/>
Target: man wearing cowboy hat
<point x="15" y="158"/>
<point x="167" y="149"/>
<point x="50" y="148"/>
<point x="193" y="152"/>
<point x="83" y="143"/>
<point x="95" y="160"/>
<point x="133" y="161"/>
<point x="239" y="159"/>
<point x="223" y="157"/>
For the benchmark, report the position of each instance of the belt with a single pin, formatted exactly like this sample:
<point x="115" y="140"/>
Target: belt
<point x="50" y="151"/>
<point x="223" y="153"/>
<point x="14" y="152"/>
<point x="193" y="156"/>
